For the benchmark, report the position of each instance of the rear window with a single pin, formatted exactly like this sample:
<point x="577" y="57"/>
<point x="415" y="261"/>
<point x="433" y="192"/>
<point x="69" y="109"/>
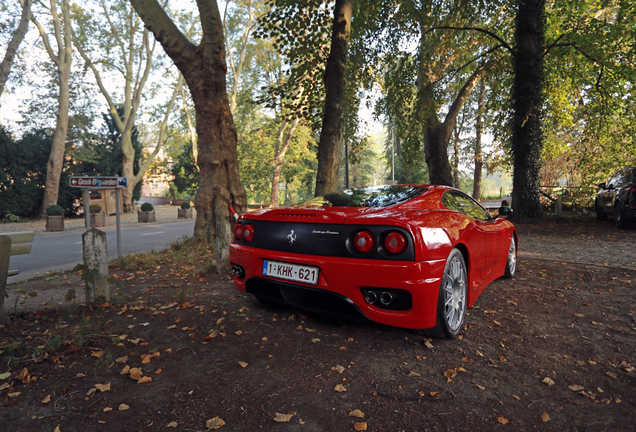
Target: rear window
<point x="371" y="196"/>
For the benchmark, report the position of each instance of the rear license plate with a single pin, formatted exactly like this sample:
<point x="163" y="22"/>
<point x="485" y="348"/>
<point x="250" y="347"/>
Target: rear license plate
<point x="292" y="272"/>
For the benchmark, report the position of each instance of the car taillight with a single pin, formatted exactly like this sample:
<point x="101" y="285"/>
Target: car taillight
<point x="248" y="232"/>
<point x="395" y="242"/>
<point x="363" y="241"/>
<point x="238" y="231"/>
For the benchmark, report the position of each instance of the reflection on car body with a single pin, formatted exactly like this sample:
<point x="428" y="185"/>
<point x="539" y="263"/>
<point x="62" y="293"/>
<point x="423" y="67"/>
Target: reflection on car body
<point x="412" y="256"/>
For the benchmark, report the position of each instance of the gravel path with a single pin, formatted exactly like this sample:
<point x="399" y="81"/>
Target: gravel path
<point x="579" y="251"/>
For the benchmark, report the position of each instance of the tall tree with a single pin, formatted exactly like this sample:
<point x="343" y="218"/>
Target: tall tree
<point x="527" y="104"/>
<point x="14" y="43"/>
<point x="478" y="153"/>
<point x="204" y="69"/>
<point x="125" y="49"/>
<point x="330" y="145"/>
<point x="63" y="60"/>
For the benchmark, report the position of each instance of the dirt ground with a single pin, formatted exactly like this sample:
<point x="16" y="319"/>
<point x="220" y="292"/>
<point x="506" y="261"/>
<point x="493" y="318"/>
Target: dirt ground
<point x="179" y="349"/>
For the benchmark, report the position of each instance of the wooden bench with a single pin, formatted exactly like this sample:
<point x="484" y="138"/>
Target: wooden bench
<point x="21" y="243"/>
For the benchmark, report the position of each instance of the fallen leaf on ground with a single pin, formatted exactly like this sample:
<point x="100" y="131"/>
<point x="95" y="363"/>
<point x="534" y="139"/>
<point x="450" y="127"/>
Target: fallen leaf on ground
<point x="123" y="407"/>
<point x="315" y="340"/>
<point x="545" y="417"/>
<point x="47" y="399"/>
<point x="549" y="381"/>
<point x="5" y="375"/>
<point x="242" y="364"/>
<point x="480" y="387"/>
<point x="310" y="330"/>
<point x="283" y="418"/>
<point x="172" y="424"/>
<point x="122" y="359"/>
<point x="107" y="409"/>
<point x="171" y="327"/>
<point x="214" y="423"/>
<point x="338" y="369"/>
<point x="611" y="375"/>
<point x="414" y="374"/>
<point x="428" y="345"/>
<point x="361" y="426"/>
<point x="80" y="375"/>
<point x="98" y="354"/>
<point x="102" y="387"/>
<point x="502" y="420"/>
<point x="145" y="379"/>
<point x="450" y="373"/>
<point x="340" y="388"/>
<point x="576" y="387"/>
<point x="356" y="413"/>
<point x="136" y="373"/>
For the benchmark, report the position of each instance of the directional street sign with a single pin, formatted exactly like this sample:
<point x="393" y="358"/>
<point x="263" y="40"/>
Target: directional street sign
<point x="98" y="182"/>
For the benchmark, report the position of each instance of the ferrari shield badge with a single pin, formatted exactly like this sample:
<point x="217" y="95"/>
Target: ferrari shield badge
<point x="291" y="237"/>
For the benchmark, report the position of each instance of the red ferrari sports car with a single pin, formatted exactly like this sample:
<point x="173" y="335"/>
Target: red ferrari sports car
<point x="411" y="256"/>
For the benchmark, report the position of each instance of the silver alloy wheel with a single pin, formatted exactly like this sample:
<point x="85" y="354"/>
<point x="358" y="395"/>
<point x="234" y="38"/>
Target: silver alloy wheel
<point x="455" y="293"/>
<point x="512" y="257"/>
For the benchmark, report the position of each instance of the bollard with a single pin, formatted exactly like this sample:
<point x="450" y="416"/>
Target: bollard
<point x="5" y="254"/>
<point x="96" y="263"/>
<point x="558" y="207"/>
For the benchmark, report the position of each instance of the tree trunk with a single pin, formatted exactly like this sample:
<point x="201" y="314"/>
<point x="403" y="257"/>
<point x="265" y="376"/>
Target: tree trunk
<point x="204" y="70"/>
<point x="527" y="102"/>
<point x="63" y="60"/>
<point x="479" y="125"/>
<point x="14" y="43"/>
<point x="438" y="134"/>
<point x="330" y="146"/>
<point x="280" y="150"/>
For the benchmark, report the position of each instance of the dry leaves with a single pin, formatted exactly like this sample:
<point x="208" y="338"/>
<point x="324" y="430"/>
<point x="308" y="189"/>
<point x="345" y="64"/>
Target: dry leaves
<point x="502" y="420"/>
<point x="414" y="374"/>
<point x="47" y="399"/>
<point x="214" y="423"/>
<point x="361" y="426"/>
<point x="340" y="388"/>
<point x="123" y="407"/>
<point x="356" y="413"/>
<point x="545" y="417"/>
<point x="242" y="364"/>
<point x="284" y="418"/>
<point x="549" y="381"/>
<point x="338" y="369"/>
<point x="575" y="387"/>
<point x="103" y="387"/>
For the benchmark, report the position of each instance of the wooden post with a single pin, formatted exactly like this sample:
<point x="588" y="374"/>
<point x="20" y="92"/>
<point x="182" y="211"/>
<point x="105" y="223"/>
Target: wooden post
<point x="96" y="263"/>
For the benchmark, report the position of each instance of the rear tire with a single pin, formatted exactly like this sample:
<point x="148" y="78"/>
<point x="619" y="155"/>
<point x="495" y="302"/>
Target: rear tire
<point x="600" y="214"/>
<point x="511" y="264"/>
<point x="619" y="217"/>
<point x="451" y="302"/>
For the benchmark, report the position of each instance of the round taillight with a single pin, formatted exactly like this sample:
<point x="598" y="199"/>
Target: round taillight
<point x="363" y="241"/>
<point x="248" y="232"/>
<point x="238" y="231"/>
<point x="395" y="242"/>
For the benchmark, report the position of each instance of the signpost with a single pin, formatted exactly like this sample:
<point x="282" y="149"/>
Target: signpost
<point x="87" y="183"/>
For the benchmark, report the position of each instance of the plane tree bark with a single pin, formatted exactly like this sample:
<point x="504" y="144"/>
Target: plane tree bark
<point x="204" y="69"/>
<point x="63" y="59"/>
<point x="330" y="146"/>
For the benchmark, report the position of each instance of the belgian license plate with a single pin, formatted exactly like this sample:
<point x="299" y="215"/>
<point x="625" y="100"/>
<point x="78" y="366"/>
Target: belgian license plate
<point x="292" y="272"/>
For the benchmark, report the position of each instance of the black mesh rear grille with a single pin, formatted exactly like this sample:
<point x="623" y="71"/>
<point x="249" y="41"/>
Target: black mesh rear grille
<point x="304" y="297"/>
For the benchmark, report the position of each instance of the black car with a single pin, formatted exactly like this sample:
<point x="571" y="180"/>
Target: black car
<point x="618" y="197"/>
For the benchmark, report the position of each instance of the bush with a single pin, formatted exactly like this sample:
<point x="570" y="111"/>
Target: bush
<point x="54" y="210"/>
<point x="94" y="208"/>
<point x="147" y="207"/>
<point x="185" y="205"/>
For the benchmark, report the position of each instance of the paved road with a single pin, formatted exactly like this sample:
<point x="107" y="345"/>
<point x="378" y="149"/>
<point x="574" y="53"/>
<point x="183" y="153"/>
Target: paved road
<point x="63" y="251"/>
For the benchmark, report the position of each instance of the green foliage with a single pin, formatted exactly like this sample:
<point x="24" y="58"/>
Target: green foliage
<point x="94" y="208"/>
<point x="185" y="171"/>
<point x="147" y="207"/>
<point x="185" y="205"/>
<point x="54" y="210"/>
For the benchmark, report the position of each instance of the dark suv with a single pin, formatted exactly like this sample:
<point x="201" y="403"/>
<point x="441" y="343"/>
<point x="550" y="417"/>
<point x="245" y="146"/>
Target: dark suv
<point x="618" y="197"/>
